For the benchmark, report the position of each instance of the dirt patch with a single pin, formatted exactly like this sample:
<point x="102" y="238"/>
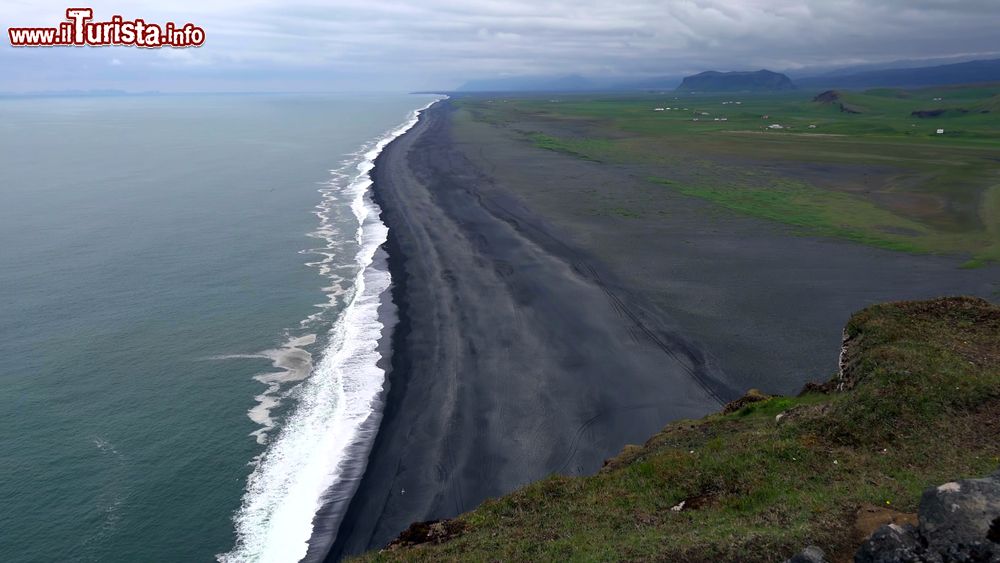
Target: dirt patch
<point x="433" y="532"/>
<point x="625" y="457"/>
<point x="870" y="518"/>
<point x="751" y="396"/>
<point x="805" y="412"/>
<point x="700" y="501"/>
<point x="813" y="387"/>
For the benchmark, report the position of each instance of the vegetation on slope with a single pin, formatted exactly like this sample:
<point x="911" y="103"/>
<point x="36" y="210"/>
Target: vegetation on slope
<point x="916" y="403"/>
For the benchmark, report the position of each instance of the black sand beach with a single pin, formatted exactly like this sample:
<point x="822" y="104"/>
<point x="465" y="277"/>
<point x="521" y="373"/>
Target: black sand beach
<point x="535" y="337"/>
<point x="513" y="358"/>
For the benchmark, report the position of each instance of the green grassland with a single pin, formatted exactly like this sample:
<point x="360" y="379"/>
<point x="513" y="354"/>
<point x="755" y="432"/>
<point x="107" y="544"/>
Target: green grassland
<point x="916" y="404"/>
<point x="858" y="166"/>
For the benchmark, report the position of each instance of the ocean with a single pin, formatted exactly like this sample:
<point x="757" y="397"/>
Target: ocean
<point x="191" y="297"/>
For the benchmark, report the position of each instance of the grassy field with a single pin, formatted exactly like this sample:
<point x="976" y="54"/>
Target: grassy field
<point x="862" y="166"/>
<point x="917" y="404"/>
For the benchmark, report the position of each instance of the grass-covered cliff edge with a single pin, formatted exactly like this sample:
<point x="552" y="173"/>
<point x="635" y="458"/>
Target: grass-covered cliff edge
<point x="916" y="403"/>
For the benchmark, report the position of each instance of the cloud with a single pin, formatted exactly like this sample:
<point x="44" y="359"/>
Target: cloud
<point x="360" y="44"/>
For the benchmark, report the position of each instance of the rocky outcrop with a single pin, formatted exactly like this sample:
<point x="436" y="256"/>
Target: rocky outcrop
<point x="850" y="354"/>
<point x="833" y="97"/>
<point x="828" y="97"/>
<point x="958" y="522"/>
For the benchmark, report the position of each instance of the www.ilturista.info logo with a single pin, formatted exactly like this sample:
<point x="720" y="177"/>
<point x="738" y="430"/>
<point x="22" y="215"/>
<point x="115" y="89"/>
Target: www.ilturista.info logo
<point x="79" y="31"/>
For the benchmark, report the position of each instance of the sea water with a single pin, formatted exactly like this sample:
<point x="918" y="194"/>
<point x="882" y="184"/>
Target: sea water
<point x="189" y="318"/>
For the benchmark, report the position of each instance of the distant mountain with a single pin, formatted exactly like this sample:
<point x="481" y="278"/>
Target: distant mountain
<point x="762" y="80"/>
<point x="656" y="83"/>
<point x="941" y="75"/>
<point x="828" y="70"/>
<point x="759" y="81"/>
<point x="571" y="83"/>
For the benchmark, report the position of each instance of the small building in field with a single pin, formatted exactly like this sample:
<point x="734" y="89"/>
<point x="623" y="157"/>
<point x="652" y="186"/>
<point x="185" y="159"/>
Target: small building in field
<point x="940" y="131"/>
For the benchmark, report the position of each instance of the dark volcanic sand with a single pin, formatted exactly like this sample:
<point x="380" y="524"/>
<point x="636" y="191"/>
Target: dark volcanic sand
<point x="767" y="304"/>
<point x="540" y="333"/>
<point x="513" y="358"/>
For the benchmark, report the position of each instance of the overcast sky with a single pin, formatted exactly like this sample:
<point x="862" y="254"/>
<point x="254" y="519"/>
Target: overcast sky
<point x="311" y="45"/>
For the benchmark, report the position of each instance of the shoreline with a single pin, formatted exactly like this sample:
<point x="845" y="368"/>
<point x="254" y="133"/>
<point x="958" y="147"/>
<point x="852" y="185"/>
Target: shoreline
<point x="331" y="539"/>
<point x="327" y="543"/>
<point x="502" y="350"/>
<point x="329" y="521"/>
<point x="336" y="500"/>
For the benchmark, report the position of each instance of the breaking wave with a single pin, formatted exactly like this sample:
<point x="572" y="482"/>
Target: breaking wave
<point x="326" y="437"/>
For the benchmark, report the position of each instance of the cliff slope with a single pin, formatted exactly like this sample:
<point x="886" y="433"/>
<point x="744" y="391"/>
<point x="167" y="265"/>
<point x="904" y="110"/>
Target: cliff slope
<point x="916" y="403"/>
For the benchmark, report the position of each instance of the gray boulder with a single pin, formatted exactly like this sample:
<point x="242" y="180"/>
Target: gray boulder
<point x="961" y="512"/>
<point x="811" y="554"/>
<point x="892" y="543"/>
<point x="959" y="522"/>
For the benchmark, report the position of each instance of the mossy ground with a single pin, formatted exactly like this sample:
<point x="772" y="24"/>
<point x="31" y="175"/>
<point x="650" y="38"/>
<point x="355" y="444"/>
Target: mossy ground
<point x="919" y="404"/>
